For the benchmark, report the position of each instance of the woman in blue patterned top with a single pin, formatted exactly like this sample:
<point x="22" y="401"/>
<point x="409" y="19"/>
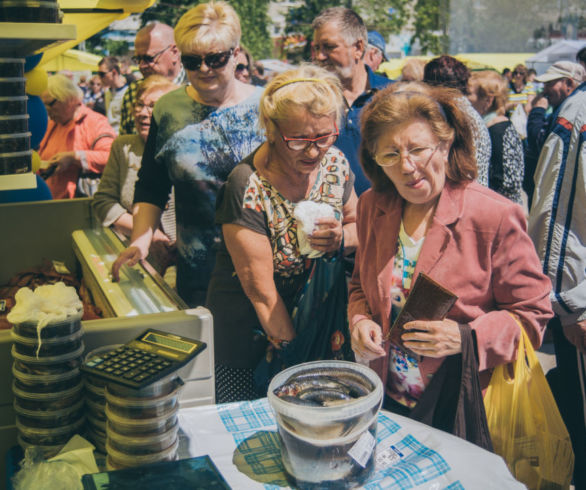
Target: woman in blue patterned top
<point x="198" y="134"/>
<point x="260" y="265"/>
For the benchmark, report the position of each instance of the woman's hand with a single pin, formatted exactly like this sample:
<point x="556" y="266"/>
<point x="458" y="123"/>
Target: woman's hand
<point x="327" y="235"/>
<point x="433" y="339"/>
<point x="367" y="339"/>
<point x="131" y="256"/>
<point x="63" y="160"/>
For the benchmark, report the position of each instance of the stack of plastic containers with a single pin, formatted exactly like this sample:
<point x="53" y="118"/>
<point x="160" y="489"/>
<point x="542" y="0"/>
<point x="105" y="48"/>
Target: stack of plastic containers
<point x="15" y="139"/>
<point x="95" y="399"/>
<point x="142" y="426"/>
<point x="47" y="386"/>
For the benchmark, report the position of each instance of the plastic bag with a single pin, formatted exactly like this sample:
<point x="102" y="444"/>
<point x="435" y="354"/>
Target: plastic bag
<point x="519" y="120"/>
<point x="525" y="424"/>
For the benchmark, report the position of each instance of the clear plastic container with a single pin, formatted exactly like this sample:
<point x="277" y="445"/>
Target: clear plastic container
<point x="96" y="424"/>
<point x="55" y="346"/>
<point x="48" y="383"/>
<point x="143" y="408"/>
<point x="316" y="440"/>
<point x="96" y="407"/>
<point x="12" y="86"/>
<point x="11" y="143"/>
<point x="49" y="418"/>
<point x="96" y="393"/>
<point x="30" y="11"/>
<point x="57" y="329"/>
<point x="97" y="439"/>
<point x="138" y="427"/>
<point x="58" y="359"/>
<point x="119" y="460"/>
<point x="138" y="445"/>
<point x="47" y="450"/>
<point x="161" y="387"/>
<point x="52" y="401"/>
<point x="14" y="124"/>
<point x="49" y="436"/>
<point x="10" y="106"/>
<point x="12" y="67"/>
<point x="51" y="369"/>
<point x="19" y="162"/>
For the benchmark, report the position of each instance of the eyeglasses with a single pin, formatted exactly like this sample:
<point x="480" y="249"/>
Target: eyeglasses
<point x="517" y="73"/>
<point x="148" y="59"/>
<point x="241" y="67"/>
<point x="419" y="157"/>
<point x="193" y="62"/>
<point x="302" y="144"/>
<point x="139" y="106"/>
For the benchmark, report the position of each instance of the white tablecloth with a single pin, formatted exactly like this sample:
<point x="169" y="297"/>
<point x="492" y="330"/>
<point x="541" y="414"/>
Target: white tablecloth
<point x="422" y="457"/>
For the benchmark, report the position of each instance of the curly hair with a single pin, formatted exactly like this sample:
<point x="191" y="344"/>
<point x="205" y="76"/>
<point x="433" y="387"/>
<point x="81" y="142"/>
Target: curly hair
<point x="447" y="71"/>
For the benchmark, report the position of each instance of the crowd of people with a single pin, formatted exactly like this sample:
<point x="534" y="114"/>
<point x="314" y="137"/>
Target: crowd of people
<point x="207" y="160"/>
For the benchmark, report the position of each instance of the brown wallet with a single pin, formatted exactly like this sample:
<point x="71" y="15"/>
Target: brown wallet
<point x="428" y="300"/>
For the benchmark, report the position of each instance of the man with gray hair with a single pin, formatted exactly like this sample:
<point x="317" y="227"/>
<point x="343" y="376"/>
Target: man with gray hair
<point x="560" y="80"/>
<point x="155" y="53"/>
<point x="339" y="44"/>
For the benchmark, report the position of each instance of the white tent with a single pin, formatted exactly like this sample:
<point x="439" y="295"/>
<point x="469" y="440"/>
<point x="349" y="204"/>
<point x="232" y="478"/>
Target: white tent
<point x="560" y="51"/>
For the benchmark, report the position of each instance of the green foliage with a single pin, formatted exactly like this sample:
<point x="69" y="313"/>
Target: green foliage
<point x="431" y="19"/>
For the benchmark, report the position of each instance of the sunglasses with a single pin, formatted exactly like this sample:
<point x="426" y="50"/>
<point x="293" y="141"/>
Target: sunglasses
<point x="148" y="59"/>
<point x="193" y="62"/>
<point x="51" y="104"/>
<point x="241" y="67"/>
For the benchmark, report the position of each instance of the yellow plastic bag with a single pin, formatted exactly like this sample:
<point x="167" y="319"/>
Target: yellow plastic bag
<point x="525" y="424"/>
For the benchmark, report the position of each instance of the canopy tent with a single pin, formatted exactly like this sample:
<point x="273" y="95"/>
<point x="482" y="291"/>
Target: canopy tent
<point x="90" y="17"/>
<point x="474" y="61"/>
<point x="73" y="60"/>
<point x="561" y="51"/>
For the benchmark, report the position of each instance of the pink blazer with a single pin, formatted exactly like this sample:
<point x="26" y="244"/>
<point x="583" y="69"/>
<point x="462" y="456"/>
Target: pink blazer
<point x="476" y="246"/>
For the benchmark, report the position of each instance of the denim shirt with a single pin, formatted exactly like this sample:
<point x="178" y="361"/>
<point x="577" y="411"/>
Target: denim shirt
<point x="349" y="139"/>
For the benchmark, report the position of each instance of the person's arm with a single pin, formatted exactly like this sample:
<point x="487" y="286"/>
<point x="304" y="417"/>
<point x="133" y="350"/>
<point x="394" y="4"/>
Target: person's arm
<point x="252" y="257"/>
<point x="99" y="136"/>
<point x="146" y="219"/>
<point x="329" y="232"/>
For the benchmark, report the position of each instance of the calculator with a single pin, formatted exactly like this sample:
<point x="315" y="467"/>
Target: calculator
<point x="144" y="360"/>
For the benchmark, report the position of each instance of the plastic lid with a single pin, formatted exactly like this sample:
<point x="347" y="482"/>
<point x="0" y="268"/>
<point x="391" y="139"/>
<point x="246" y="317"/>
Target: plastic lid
<point x="135" y="402"/>
<point x="44" y="378"/>
<point x="47" y="414"/>
<point x="13" y="97"/>
<point x="49" y="340"/>
<point x="168" y="436"/>
<point x="15" y="116"/>
<point x="15" y="135"/>
<point x="13" y="60"/>
<point x="16" y="154"/>
<point x="49" y="432"/>
<point x="135" y="423"/>
<point x="118" y="457"/>
<point x="12" y="79"/>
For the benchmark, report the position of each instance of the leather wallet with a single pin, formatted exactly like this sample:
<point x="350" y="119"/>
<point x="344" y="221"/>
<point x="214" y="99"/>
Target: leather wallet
<point x="428" y="300"/>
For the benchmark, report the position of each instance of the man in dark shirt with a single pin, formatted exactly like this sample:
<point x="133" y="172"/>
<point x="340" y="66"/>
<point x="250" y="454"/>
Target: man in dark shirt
<point x="340" y="39"/>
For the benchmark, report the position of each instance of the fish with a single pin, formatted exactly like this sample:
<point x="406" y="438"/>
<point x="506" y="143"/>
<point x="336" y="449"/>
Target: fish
<point x="322" y="396"/>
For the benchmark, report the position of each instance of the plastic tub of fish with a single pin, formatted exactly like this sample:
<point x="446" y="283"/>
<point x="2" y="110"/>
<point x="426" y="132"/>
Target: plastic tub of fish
<point x="47" y="383"/>
<point x="161" y="387"/>
<point x="136" y="427"/>
<point x="96" y="393"/>
<point x="49" y="436"/>
<point x="50" y="369"/>
<point x="137" y="445"/>
<point x="97" y="439"/>
<point x="14" y="124"/>
<point x="326" y="413"/>
<point x="52" y="401"/>
<point x="56" y="359"/>
<point x="12" y="67"/>
<point x="49" y="418"/>
<point x="48" y="451"/>
<point x="30" y="11"/>
<point x="50" y="331"/>
<point x="9" y="106"/>
<point x="118" y="459"/>
<point x="143" y="408"/>
<point x="96" y="424"/>
<point x="50" y="347"/>
<point x="19" y="162"/>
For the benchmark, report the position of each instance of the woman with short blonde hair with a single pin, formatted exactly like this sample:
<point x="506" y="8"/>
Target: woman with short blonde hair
<point x="262" y="264"/>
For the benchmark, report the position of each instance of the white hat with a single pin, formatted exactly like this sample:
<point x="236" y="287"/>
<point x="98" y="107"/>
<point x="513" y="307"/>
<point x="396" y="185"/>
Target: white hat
<point x="563" y="69"/>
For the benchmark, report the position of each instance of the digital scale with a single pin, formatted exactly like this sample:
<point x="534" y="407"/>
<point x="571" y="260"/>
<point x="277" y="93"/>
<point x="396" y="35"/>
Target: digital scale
<point x="151" y="356"/>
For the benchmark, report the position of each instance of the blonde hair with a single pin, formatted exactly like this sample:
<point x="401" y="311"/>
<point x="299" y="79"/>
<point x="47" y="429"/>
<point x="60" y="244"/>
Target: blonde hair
<point x="308" y="87"/>
<point x="413" y="70"/>
<point x="206" y="25"/>
<point x="488" y="83"/>
<point x="436" y="106"/>
<point x="63" y="89"/>
<point x="155" y="82"/>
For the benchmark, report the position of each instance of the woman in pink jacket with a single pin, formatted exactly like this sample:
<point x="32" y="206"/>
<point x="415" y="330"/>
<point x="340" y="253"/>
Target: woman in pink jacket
<point x="425" y="214"/>
<point x="77" y="142"/>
